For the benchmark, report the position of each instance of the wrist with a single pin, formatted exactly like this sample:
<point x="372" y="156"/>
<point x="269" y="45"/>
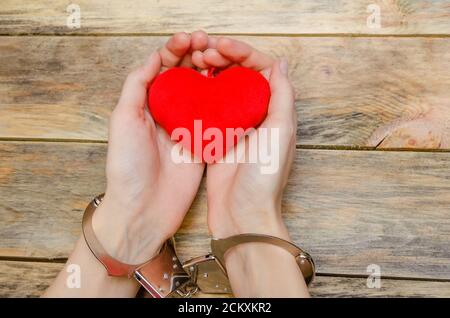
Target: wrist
<point x="247" y="264"/>
<point x="125" y="233"/>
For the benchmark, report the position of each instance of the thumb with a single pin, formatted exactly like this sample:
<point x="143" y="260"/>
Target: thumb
<point x="134" y="91"/>
<point x="282" y="99"/>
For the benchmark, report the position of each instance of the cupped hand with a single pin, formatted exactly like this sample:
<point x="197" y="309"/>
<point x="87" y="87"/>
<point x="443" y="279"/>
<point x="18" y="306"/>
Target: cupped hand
<point x="147" y="193"/>
<point x="242" y="198"/>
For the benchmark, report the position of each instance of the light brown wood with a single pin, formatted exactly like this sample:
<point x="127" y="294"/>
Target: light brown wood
<point x="357" y="287"/>
<point x="30" y="279"/>
<point x="234" y="16"/>
<point x="52" y="183"/>
<point x="350" y="91"/>
<point x="26" y="279"/>
<point x="357" y="86"/>
<point x="349" y="209"/>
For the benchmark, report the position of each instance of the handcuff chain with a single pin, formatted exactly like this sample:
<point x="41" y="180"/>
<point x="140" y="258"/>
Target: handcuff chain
<point x="188" y="290"/>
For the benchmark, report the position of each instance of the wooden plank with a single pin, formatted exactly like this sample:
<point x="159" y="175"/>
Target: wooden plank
<point x="349" y="209"/>
<point x="357" y="287"/>
<point x="347" y="88"/>
<point x="233" y="16"/>
<point x="30" y="279"/>
<point x="26" y="279"/>
<point x="47" y="177"/>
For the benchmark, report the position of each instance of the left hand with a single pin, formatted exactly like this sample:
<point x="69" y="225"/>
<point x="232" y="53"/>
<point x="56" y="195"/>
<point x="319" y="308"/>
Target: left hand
<point x="240" y="198"/>
<point x="147" y="194"/>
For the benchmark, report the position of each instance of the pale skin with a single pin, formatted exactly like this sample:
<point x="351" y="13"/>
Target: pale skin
<point x="134" y="219"/>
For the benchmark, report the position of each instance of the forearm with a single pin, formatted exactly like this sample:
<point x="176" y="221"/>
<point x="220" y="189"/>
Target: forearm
<point x="261" y="270"/>
<point x="84" y="275"/>
<point x="94" y="280"/>
<point x="264" y="270"/>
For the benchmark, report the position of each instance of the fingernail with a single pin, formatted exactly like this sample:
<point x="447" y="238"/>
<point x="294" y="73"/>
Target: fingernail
<point x="284" y="66"/>
<point x="266" y="74"/>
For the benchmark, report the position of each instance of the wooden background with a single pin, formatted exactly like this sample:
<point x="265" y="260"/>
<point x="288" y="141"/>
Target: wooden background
<point x="371" y="180"/>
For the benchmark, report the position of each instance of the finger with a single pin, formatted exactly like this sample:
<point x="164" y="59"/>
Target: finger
<point x="213" y="58"/>
<point x="282" y="100"/>
<point x="134" y="91"/>
<point x="243" y="54"/>
<point x="199" y="41"/>
<point x="187" y="61"/>
<point x="175" y="49"/>
<point x="198" y="60"/>
<point x="212" y="42"/>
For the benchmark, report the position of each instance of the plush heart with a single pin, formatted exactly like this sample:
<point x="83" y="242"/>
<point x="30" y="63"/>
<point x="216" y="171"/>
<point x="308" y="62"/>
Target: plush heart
<point x="183" y="98"/>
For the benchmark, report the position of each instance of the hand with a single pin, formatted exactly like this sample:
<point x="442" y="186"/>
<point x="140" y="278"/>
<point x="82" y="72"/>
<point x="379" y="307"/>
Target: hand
<point x="147" y="194"/>
<point x="240" y="198"/>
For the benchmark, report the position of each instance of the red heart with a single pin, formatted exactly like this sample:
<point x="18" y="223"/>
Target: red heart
<point x="236" y="98"/>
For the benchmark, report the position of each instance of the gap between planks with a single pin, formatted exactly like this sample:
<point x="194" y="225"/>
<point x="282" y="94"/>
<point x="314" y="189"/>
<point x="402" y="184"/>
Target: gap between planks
<point x="304" y="147"/>
<point x="319" y="274"/>
<point x="292" y="35"/>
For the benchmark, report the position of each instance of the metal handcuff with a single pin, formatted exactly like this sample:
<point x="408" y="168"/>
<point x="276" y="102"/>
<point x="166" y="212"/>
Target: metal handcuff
<point x="165" y="276"/>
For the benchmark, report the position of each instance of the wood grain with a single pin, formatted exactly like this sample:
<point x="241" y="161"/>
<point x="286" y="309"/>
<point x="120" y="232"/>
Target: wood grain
<point x="349" y="209"/>
<point x="26" y="279"/>
<point x="350" y="91"/>
<point x="233" y="16"/>
<point x="30" y="279"/>
<point x="357" y="287"/>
